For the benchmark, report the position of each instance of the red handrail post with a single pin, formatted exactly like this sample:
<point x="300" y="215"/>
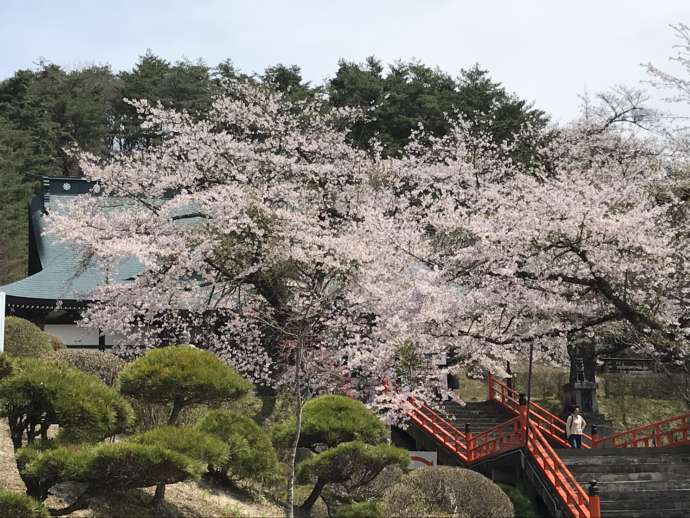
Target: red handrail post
<point x="595" y="436"/>
<point x="490" y="386"/>
<point x="594" y="500"/>
<point x="522" y="411"/>
<point x="470" y="443"/>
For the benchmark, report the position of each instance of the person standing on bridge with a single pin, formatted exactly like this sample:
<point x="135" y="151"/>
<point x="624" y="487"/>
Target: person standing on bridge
<point x="575" y="427"/>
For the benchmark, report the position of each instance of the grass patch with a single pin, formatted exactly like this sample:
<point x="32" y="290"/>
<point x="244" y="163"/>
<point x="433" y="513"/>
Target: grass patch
<point x="632" y="411"/>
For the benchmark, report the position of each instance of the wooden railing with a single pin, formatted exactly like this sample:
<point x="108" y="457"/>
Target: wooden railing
<point x="550" y="424"/>
<point x="504" y="437"/>
<point x="668" y="432"/>
<point x="437" y="427"/>
<point x="468" y="447"/>
<point x="576" y="500"/>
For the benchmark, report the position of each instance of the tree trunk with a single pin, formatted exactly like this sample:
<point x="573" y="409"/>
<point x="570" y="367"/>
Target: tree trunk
<point x="177" y="407"/>
<point x="267" y="395"/>
<point x="159" y="495"/>
<point x="298" y="430"/>
<point x="16" y="431"/>
<point x="313" y="496"/>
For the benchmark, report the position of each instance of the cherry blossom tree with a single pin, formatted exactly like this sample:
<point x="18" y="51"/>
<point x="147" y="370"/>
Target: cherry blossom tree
<point x="241" y="225"/>
<point x="484" y="256"/>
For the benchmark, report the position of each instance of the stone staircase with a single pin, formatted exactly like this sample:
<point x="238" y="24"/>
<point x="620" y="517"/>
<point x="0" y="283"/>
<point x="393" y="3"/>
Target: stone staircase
<point x="635" y="482"/>
<point x="481" y="416"/>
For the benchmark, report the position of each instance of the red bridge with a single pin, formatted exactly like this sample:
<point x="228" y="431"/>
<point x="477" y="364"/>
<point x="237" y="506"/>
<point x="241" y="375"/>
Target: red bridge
<point x="643" y="472"/>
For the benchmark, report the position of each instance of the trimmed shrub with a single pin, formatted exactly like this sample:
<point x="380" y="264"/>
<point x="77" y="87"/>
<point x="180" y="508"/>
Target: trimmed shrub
<point x="44" y="464"/>
<point x="127" y="465"/>
<point x="16" y="505"/>
<point x="108" y="466"/>
<point x="444" y="491"/>
<point x="352" y="465"/>
<point x="331" y="420"/>
<point x="105" y="366"/>
<point x="193" y="443"/>
<point x="360" y="510"/>
<point x="25" y="339"/>
<point x="39" y="394"/>
<point x="250" y="452"/>
<point x="55" y="342"/>
<point x="5" y="366"/>
<point x="181" y="376"/>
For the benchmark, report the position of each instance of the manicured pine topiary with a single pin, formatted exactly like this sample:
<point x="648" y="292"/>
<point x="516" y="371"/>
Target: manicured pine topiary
<point x="193" y="443"/>
<point x="39" y="394"/>
<point x="250" y="452"/>
<point x="16" y="505"/>
<point x="181" y="376"/>
<point x="107" y="467"/>
<point x="331" y="420"/>
<point x="340" y="431"/>
<point x="352" y="464"/>
<point x="25" y="339"/>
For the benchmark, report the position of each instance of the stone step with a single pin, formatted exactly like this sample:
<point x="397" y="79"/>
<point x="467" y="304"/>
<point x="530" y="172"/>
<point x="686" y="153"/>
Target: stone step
<point x="584" y="477"/>
<point x="630" y="467"/>
<point x="498" y="419"/>
<point x="660" y="512"/>
<point x="622" y="486"/>
<point x="470" y="418"/>
<point x="649" y="500"/>
<point x="476" y="422"/>
<point x="602" y="460"/>
<point x="664" y="453"/>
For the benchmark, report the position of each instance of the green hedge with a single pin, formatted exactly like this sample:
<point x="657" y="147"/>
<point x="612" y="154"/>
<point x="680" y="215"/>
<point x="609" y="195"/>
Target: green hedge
<point x="24" y="339"/>
<point x="105" y="366"/>
<point x="446" y="491"/>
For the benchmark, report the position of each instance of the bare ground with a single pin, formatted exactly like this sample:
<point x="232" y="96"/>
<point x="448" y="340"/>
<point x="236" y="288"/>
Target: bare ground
<point x="187" y="499"/>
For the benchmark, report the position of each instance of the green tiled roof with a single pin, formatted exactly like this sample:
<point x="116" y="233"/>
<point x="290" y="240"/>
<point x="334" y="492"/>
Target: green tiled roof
<point x="63" y="277"/>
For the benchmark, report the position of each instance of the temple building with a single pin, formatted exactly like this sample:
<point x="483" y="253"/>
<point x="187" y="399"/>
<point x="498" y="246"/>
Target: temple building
<point x="56" y="290"/>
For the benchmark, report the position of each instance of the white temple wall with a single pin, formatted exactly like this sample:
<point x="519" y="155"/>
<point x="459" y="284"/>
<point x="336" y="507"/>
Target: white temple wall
<point x="74" y="336"/>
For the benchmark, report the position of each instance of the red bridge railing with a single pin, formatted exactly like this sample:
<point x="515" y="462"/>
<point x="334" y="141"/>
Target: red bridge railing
<point x="577" y="501"/>
<point x="504" y="437"/>
<point x="667" y="432"/>
<point x="437" y="427"/>
<point x="550" y="424"/>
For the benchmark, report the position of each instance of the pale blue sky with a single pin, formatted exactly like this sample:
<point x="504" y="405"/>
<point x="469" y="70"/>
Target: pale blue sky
<point x="544" y="50"/>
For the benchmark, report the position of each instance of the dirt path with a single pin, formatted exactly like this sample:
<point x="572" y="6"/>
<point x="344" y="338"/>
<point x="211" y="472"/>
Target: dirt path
<point x="9" y="476"/>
